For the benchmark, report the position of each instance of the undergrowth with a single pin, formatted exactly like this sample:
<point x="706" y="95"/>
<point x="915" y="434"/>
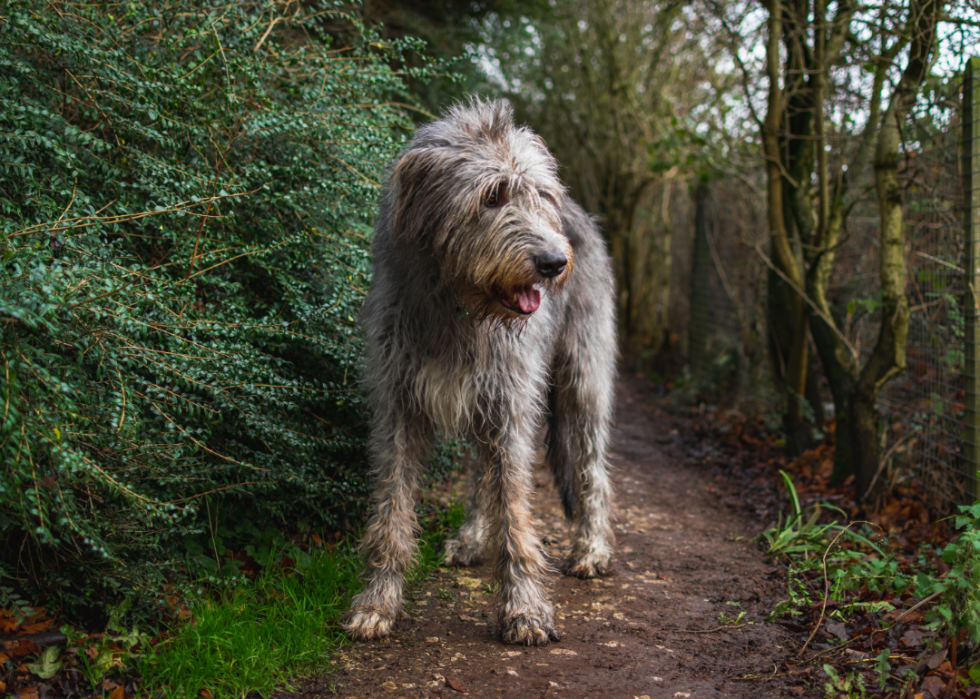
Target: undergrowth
<point x="250" y="633"/>
<point x="847" y="575"/>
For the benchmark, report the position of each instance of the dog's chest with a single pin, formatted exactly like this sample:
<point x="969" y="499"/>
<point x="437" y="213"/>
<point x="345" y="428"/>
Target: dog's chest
<point x="498" y="370"/>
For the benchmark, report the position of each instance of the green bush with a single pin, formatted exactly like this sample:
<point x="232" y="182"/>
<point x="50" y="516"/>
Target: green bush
<point x="186" y="193"/>
<point x="959" y="589"/>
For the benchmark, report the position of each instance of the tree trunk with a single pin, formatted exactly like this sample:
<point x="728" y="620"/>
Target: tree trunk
<point x="888" y="357"/>
<point x="796" y="362"/>
<point x="863" y="439"/>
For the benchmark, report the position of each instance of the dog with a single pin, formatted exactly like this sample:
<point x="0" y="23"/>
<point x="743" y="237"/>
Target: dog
<point x="491" y="311"/>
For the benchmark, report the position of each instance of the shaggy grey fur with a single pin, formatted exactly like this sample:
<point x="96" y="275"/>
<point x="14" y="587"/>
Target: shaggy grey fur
<point x="491" y="310"/>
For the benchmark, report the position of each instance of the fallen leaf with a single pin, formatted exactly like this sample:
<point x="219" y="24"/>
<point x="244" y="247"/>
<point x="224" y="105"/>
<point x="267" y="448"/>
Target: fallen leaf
<point x="912" y="638"/>
<point x="8" y="623"/>
<point x="28" y="693"/>
<point x="388" y="685"/>
<point x="48" y="664"/>
<point x="837" y="629"/>
<point x="37" y="627"/>
<point x="563" y="651"/>
<point x="21" y="647"/>
<point x="930" y="661"/>
<point x="932" y="687"/>
<point x="453" y="684"/>
<point x="118" y="693"/>
<point x="205" y="694"/>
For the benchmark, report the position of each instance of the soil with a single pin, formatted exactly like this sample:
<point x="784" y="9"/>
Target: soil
<point x="682" y="615"/>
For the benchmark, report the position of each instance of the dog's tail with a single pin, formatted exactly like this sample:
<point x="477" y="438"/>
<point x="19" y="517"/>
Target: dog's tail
<point x="559" y="442"/>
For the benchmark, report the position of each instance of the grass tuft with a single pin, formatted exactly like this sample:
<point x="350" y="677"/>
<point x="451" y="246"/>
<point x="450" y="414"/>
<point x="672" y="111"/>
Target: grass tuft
<point x="255" y="637"/>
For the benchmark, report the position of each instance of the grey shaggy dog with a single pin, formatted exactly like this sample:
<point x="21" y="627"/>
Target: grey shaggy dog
<point x="491" y="310"/>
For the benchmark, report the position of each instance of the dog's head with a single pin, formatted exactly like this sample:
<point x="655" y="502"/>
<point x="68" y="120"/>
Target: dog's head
<point x="483" y="195"/>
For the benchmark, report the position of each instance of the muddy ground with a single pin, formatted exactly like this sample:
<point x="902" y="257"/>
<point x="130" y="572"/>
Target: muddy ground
<point x="681" y="616"/>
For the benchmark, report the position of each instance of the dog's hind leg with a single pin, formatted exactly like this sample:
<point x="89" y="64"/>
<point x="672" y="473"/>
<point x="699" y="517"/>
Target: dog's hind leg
<point x="523" y="613"/>
<point x="399" y="446"/>
<point x="468" y="548"/>
<point x="580" y="402"/>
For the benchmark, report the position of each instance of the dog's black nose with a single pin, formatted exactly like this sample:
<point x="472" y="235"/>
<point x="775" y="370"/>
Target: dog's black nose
<point x="550" y="264"/>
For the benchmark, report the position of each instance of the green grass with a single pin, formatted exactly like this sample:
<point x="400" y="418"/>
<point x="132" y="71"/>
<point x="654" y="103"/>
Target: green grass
<point x="254" y="637"/>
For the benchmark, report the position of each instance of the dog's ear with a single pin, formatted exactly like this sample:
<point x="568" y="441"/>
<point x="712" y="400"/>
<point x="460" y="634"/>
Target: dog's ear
<point x="414" y="183"/>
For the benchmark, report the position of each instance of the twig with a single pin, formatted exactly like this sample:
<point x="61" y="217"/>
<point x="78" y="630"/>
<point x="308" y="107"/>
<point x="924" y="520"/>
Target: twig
<point x="714" y="630"/>
<point x="911" y="609"/>
<point x="904" y="614"/>
<point x="885" y="458"/>
<point x="88" y="221"/>
<point x="937" y="260"/>
<point x="47" y="638"/>
<point x="826" y="589"/>
<point x="830" y="323"/>
<point x="268" y="29"/>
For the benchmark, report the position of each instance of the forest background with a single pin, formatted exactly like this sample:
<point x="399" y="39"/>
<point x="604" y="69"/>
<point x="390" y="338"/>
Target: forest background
<point x="187" y="191"/>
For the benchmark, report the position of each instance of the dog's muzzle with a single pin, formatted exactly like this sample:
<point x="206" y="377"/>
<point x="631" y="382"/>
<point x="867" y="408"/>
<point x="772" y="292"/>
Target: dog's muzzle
<point x="525" y="300"/>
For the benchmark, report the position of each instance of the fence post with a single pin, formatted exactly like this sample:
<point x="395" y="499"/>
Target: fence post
<point x="700" y="318"/>
<point x="971" y="200"/>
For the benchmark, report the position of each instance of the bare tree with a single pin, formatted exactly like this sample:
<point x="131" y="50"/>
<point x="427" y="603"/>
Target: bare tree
<point x="846" y="61"/>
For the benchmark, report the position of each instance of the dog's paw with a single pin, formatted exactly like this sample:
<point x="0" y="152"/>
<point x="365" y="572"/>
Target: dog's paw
<point x="459" y="553"/>
<point x="368" y="624"/>
<point x="587" y="566"/>
<point x="529" y="630"/>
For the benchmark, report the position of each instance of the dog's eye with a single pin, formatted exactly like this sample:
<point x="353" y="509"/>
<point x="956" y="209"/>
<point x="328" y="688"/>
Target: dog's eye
<point x="495" y="197"/>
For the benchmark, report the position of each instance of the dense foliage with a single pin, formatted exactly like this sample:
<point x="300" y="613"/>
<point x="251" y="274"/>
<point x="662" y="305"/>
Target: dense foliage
<point x="186" y="191"/>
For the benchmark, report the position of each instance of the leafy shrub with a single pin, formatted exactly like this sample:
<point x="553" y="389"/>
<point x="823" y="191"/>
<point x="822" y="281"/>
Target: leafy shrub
<point x="186" y="192"/>
<point x="959" y="606"/>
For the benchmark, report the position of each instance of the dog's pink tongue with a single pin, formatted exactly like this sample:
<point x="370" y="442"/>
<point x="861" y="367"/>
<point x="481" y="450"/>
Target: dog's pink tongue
<point x="528" y="299"/>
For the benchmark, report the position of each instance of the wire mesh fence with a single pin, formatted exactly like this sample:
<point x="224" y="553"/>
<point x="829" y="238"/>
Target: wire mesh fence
<point x="922" y="409"/>
<point x="929" y="431"/>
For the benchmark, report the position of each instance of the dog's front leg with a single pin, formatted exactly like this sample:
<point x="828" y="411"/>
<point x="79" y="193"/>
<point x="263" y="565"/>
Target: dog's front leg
<point x="468" y="547"/>
<point x="400" y="444"/>
<point x="523" y="614"/>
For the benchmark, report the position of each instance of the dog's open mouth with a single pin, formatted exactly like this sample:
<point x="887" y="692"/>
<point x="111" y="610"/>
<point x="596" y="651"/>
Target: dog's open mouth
<point x="524" y="300"/>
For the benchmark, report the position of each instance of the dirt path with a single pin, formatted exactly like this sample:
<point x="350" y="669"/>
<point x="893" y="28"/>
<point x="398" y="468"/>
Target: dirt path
<point x="655" y="628"/>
